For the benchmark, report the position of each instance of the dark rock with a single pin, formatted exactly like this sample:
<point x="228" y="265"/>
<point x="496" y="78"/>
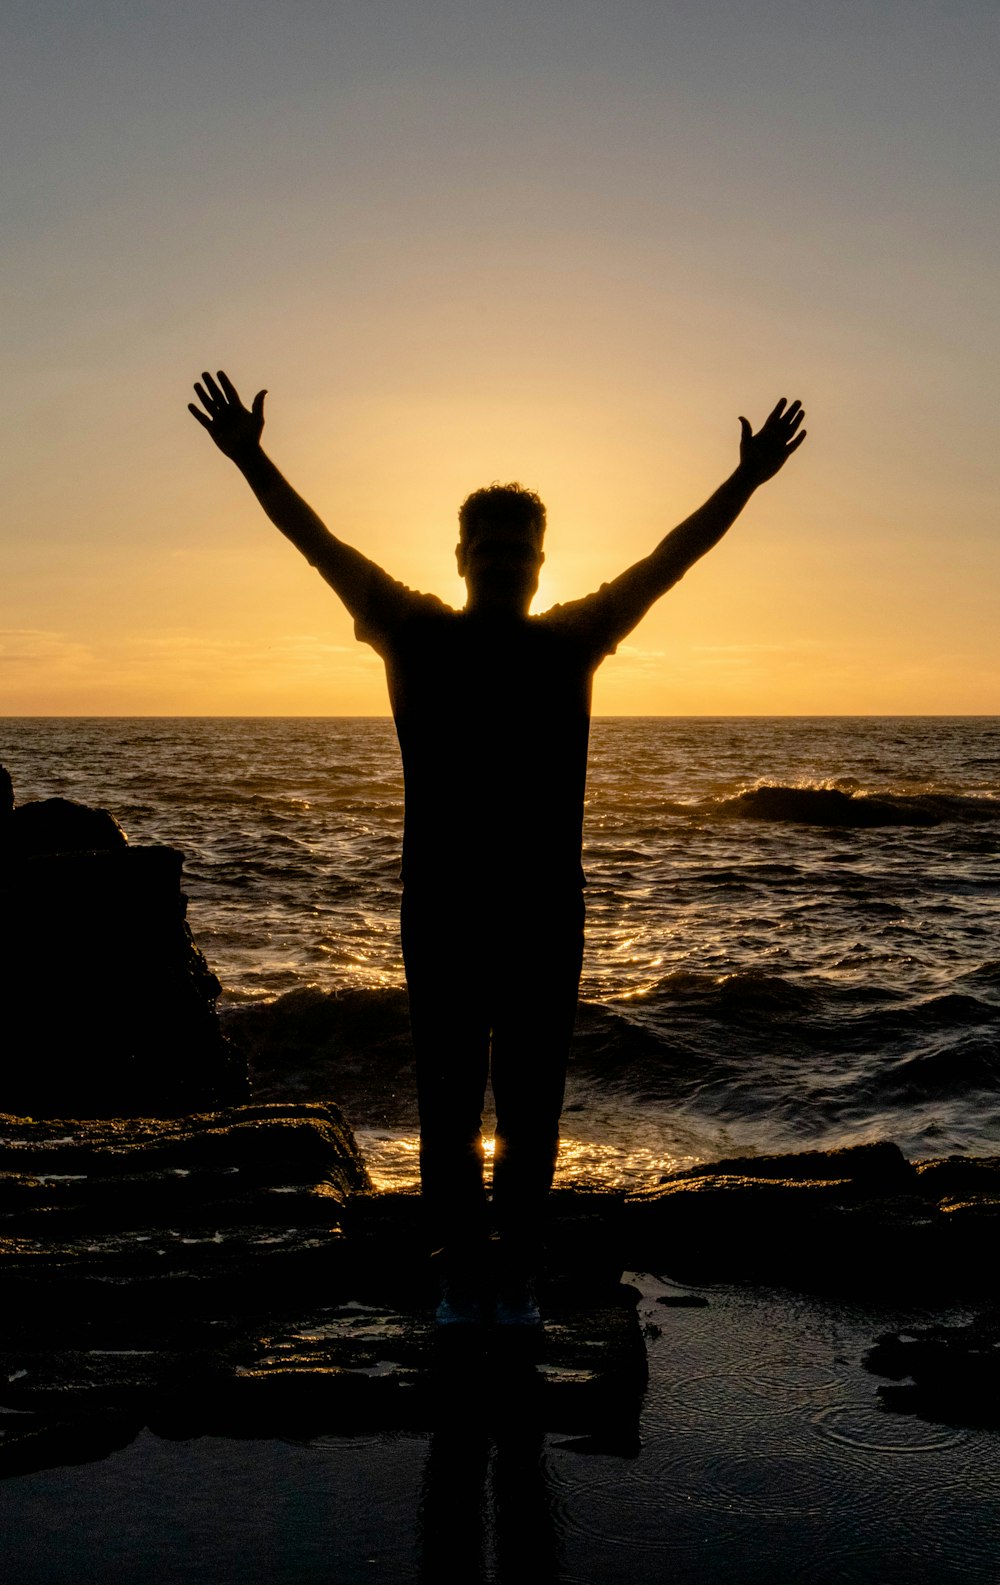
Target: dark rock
<point x="46" y="1443"/>
<point x="879" y="1165"/>
<point x="60" y="825"/>
<point x="265" y="1145"/>
<point x="193" y="1216"/>
<point x="148" y="1275"/>
<point x="733" y="1226"/>
<point x="6" y="798"/>
<point x="955" y="1371"/>
<point x="955" y="1176"/>
<point x="242" y="1333"/>
<point x="136" y="1287"/>
<point x="858" y="1220"/>
<point x="584" y="1236"/>
<point x="109" y="1006"/>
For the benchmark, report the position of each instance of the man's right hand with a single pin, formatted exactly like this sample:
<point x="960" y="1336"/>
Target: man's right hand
<point x="235" y="430"/>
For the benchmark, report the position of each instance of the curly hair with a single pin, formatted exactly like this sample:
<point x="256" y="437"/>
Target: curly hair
<point x="508" y="504"/>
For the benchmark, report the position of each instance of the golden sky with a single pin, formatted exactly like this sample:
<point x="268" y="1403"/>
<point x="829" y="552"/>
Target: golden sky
<point x="554" y="241"/>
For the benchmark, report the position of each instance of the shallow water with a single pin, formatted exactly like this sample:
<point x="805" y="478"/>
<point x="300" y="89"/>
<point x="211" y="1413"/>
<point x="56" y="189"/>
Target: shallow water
<point x="764" y="1457"/>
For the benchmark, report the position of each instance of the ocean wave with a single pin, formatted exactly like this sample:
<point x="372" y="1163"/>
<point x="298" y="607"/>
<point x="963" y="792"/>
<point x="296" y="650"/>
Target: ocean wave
<point x="827" y="805"/>
<point x="311" y="1019"/>
<point x="941" y="1072"/>
<point x="754" y="1055"/>
<point x="986" y="976"/>
<point x="725" y="994"/>
<point x="347" y="1024"/>
<point x="949" y="1011"/>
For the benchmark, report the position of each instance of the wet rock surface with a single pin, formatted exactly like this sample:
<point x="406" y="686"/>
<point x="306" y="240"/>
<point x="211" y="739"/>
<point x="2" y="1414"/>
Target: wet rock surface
<point x="861" y="1220"/>
<point x="108" y="1005"/>
<point x="954" y="1371"/>
<point x="120" y="1222"/>
<point x="332" y="1368"/>
<point x="861" y="1223"/>
<point x="232" y="1273"/>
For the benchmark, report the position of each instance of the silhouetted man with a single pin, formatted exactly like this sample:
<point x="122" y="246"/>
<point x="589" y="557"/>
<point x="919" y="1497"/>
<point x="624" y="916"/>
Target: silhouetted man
<point x="492" y="711"/>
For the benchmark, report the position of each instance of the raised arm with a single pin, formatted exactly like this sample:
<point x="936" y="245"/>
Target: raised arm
<point x="236" y="431"/>
<point x="761" y="456"/>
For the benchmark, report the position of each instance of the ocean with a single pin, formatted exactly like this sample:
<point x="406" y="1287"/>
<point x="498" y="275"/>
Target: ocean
<point x="793" y="924"/>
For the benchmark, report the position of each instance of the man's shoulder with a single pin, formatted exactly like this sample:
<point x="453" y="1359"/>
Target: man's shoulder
<point x="429" y="605"/>
<point x="393" y="608"/>
<point x="569" y="610"/>
<point x="588" y="622"/>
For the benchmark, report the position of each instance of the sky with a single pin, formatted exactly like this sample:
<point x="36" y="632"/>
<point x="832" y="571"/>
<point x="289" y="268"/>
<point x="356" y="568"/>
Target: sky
<point x="557" y="241"/>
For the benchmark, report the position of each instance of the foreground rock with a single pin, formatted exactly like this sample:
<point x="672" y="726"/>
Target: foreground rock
<point x="954" y="1371"/>
<point x="121" y="1220"/>
<point x="862" y="1220"/>
<point x="232" y="1273"/>
<point x="340" y="1368"/>
<point x="108" y="1005"/>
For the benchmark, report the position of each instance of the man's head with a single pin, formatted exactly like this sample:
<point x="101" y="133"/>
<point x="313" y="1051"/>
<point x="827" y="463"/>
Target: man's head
<point x="499" y="551"/>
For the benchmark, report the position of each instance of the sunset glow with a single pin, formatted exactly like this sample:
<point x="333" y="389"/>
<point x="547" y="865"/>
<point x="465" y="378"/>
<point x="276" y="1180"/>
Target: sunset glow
<point x="562" y="244"/>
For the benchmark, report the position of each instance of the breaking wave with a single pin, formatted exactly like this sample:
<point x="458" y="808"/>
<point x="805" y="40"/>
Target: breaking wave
<point x="758" y="1054"/>
<point x="836" y="806"/>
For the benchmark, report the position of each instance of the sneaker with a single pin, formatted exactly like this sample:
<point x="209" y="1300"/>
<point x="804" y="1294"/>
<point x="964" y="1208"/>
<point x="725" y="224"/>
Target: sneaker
<point x="461" y="1304"/>
<point x="517" y="1305"/>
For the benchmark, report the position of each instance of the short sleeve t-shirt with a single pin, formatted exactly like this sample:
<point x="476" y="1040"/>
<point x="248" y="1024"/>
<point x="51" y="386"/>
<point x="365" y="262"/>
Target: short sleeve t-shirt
<point x="493" y="718"/>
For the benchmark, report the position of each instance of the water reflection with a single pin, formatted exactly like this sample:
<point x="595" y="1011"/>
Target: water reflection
<point x="487" y="1509"/>
<point x="392" y="1157"/>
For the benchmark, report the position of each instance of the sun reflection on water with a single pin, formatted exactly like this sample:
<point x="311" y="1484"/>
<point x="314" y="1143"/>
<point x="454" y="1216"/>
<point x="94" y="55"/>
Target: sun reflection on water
<point x="393" y="1161"/>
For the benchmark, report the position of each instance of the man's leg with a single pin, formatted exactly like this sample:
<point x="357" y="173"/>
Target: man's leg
<point x="534" y="1005"/>
<point x="449" y="1018"/>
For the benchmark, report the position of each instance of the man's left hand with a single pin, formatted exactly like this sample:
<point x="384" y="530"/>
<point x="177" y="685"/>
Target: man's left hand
<point x="763" y="453"/>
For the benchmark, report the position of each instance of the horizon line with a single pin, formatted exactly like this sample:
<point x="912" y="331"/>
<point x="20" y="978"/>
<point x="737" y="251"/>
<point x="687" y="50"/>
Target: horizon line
<point x="690" y="715"/>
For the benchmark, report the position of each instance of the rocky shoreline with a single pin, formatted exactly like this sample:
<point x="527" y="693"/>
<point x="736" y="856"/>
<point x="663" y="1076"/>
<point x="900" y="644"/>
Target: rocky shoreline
<point x="172" y="1255"/>
<point x="234" y="1272"/>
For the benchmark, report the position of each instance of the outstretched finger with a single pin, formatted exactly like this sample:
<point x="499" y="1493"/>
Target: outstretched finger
<point x="796" y="443"/>
<point x="229" y="388"/>
<point x="206" y="423"/>
<point x="216" y="394"/>
<point x="203" y="396"/>
<point x="776" y="409"/>
<point x="796" y="421"/>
